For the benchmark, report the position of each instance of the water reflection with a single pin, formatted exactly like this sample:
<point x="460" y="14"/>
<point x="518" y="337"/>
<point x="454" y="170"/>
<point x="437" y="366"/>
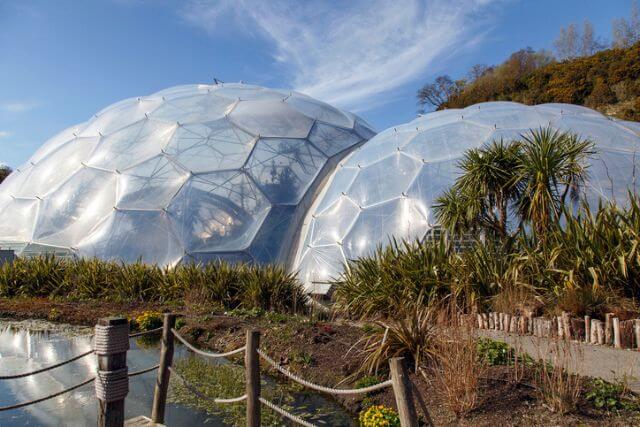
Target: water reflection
<point x="24" y="349"/>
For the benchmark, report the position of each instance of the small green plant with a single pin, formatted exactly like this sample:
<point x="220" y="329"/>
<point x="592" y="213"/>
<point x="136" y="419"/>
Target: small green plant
<point x="367" y="381"/>
<point x="180" y="323"/>
<point x="54" y="314"/>
<point x="369" y="328"/>
<point x="610" y="396"/>
<point x="301" y="357"/>
<point x="379" y="416"/>
<point x="245" y="313"/>
<point x="149" y="320"/>
<point x="494" y="352"/>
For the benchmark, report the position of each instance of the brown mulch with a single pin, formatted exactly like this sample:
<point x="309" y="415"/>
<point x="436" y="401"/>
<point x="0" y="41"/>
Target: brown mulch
<point x="326" y="352"/>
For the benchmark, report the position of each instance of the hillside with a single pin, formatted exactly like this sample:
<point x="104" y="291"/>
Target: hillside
<point x="608" y="81"/>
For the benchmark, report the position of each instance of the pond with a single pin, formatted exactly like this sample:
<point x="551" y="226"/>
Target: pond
<point x="29" y="345"/>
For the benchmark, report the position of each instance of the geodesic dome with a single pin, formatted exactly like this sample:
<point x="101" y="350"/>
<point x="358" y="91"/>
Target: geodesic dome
<point x="189" y="173"/>
<point x="386" y="187"/>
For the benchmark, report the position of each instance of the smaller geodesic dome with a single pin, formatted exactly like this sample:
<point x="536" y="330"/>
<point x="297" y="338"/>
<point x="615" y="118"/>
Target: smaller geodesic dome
<point x="190" y="173"/>
<point x="385" y="189"/>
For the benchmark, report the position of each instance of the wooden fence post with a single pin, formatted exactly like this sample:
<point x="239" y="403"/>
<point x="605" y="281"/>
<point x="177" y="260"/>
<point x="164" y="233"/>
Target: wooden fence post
<point x="111" y="343"/>
<point x="252" y="378"/>
<point x="166" y="360"/>
<point x="587" y="329"/>
<point x="617" y="342"/>
<point x="608" y="329"/>
<point x="403" y="393"/>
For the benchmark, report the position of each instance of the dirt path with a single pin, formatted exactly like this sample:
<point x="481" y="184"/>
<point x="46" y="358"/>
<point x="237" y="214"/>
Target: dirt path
<point x="607" y="363"/>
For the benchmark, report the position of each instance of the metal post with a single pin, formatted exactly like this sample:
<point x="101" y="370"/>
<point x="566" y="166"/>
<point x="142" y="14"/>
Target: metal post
<point x="166" y="359"/>
<point x="112" y="384"/>
<point x="252" y="378"/>
<point x="403" y="393"/>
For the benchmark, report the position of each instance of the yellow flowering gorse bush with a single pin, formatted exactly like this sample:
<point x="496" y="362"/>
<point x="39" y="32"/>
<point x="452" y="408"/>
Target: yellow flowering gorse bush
<point x="379" y="416"/>
<point x="149" y="320"/>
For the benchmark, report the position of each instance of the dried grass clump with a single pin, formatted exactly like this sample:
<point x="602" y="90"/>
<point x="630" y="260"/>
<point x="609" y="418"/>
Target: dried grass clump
<point x="558" y="387"/>
<point x="458" y="368"/>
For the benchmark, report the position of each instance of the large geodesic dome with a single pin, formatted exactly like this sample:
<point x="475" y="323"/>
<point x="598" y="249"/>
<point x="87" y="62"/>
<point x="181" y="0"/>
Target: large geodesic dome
<point x="385" y="188"/>
<point x="189" y="173"/>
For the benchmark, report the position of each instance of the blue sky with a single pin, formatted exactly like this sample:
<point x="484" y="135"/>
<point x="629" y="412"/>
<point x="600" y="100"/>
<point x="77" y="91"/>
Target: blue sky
<point x="61" y="61"/>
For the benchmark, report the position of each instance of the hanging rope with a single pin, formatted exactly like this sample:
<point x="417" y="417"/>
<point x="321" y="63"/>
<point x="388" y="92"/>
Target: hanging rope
<point x="149" y="332"/>
<point x="286" y="414"/>
<point x="195" y="391"/>
<point x="206" y="353"/>
<point x="143" y="371"/>
<point x="50" y="396"/>
<point x="48" y="368"/>
<point x="318" y="387"/>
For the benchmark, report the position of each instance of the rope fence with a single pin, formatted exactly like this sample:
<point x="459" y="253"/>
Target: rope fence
<point x="318" y="387"/>
<point x="149" y="332"/>
<point x="285" y="413"/>
<point x="50" y="396"/>
<point x="195" y="391"/>
<point x="143" y="371"/>
<point x="48" y="368"/>
<point x="206" y="353"/>
<point x="111" y="383"/>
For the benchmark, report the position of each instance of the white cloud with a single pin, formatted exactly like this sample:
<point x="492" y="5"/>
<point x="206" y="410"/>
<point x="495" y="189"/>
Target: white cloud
<point x="17" y="107"/>
<point x="5" y="134"/>
<point x="352" y="53"/>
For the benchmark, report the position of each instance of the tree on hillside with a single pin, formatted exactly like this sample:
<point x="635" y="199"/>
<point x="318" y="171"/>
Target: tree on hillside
<point x="567" y="43"/>
<point x="588" y="42"/>
<point x="438" y="92"/>
<point x="478" y="71"/>
<point x="4" y="172"/>
<point x="627" y="32"/>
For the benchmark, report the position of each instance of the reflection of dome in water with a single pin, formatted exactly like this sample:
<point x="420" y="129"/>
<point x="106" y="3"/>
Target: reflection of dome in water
<point x="189" y="173"/>
<point x="24" y="350"/>
<point x="387" y="186"/>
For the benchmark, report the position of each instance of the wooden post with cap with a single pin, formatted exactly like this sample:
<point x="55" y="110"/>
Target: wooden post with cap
<point x="110" y="411"/>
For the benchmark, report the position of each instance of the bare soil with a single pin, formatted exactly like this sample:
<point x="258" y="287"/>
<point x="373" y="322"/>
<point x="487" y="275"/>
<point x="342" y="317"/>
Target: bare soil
<point x="327" y="352"/>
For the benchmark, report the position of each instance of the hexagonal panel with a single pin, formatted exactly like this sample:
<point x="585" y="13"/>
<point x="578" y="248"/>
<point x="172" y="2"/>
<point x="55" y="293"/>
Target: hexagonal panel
<point x="284" y="168"/>
<point x="150" y="185"/>
<point x="271" y="119"/>
<point x="383" y="180"/>
<point x="17" y="218"/>
<point x="193" y="109"/>
<point x="210" y="146"/>
<point x="218" y="212"/>
<point x="133" y="144"/>
<point x="132" y="236"/>
<point x="70" y="212"/>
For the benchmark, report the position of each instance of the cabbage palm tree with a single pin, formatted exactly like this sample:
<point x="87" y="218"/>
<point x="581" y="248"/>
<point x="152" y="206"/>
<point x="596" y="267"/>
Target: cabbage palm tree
<point x="534" y="177"/>
<point x="481" y="196"/>
<point x="552" y="169"/>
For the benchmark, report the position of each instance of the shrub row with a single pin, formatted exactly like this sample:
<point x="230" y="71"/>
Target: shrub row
<point x="588" y="265"/>
<point x="247" y="286"/>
